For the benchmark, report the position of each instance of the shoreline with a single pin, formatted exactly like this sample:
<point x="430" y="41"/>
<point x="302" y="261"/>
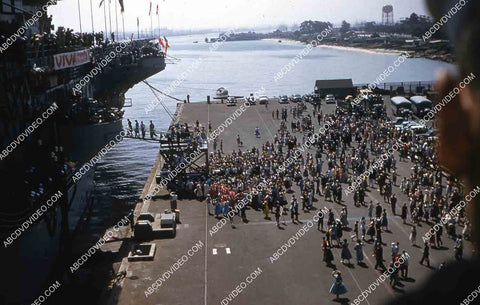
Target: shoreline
<point x="358" y="49"/>
<point x="413" y="53"/>
<point x="365" y="50"/>
<point x="286" y="40"/>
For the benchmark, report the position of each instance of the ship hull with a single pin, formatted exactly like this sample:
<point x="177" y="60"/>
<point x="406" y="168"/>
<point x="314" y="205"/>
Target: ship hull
<point x="32" y="256"/>
<point x="112" y="85"/>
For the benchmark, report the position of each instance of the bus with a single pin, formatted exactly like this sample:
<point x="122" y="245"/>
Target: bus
<point x="420" y="105"/>
<point x="401" y="106"/>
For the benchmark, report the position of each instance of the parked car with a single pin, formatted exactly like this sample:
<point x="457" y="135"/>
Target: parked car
<point x="430" y="134"/>
<point x="403" y="112"/>
<point x="418" y="129"/>
<point x="296" y="98"/>
<point x="231" y="101"/>
<point x="262" y="99"/>
<point x="406" y="124"/>
<point x="398" y="120"/>
<point x="330" y="99"/>
<point x="283" y="99"/>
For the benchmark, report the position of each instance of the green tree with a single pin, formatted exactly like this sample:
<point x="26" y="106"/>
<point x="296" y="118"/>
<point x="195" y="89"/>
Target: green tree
<point x="306" y="27"/>
<point x="312" y="27"/>
<point x="413" y="19"/>
<point x="345" y="27"/>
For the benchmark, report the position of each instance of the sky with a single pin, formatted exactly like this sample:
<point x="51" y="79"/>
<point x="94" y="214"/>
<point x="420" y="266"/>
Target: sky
<point x="227" y="14"/>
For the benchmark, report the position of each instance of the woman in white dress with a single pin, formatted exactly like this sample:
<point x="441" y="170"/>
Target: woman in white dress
<point x="198" y="191"/>
<point x="413" y="236"/>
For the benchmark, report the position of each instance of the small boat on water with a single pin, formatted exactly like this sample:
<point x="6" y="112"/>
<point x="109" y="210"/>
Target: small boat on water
<point x="196" y="41"/>
<point x="279" y="41"/>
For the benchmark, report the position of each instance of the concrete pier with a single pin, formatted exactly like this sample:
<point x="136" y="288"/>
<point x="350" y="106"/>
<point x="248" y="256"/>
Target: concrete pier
<point x="227" y="258"/>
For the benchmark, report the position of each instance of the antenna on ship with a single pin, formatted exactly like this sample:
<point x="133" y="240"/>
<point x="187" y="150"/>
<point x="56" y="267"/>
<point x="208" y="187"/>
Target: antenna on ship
<point x="123" y="25"/>
<point x="105" y="18"/>
<point x="110" y="16"/>
<point x="158" y="22"/>
<point x="79" y="16"/>
<point x="91" y="16"/>
<point x="116" y="20"/>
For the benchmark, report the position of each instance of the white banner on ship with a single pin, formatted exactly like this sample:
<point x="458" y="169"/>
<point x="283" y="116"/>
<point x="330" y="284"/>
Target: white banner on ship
<point x="71" y="59"/>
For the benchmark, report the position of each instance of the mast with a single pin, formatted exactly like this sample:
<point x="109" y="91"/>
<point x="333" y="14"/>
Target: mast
<point x="105" y="18"/>
<point x="91" y="16"/>
<point x="123" y="26"/>
<point x="79" y="16"/>
<point x="110" y="16"/>
<point x="116" y="20"/>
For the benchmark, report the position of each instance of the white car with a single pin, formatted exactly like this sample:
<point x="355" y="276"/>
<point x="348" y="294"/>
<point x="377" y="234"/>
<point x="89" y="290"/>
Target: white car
<point x="262" y="99"/>
<point x="398" y="120"/>
<point x="330" y="99"/>
<point x="418" y="129"/>
<point x="406" y="125"/>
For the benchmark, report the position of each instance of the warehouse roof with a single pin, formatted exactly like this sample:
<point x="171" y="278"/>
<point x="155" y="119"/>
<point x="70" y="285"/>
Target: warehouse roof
<point x="334" y="83"/>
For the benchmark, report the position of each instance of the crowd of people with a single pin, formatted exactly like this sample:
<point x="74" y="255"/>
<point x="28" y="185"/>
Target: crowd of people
<point x="37" y="49"/>
<point x="45" y="172"/>
<point x="141" y="129"/>
<point x="48" y="42"/>
<point x="339" y="157"/>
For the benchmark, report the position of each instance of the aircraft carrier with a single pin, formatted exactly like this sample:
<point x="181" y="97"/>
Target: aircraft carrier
<point x="40" y="71"/>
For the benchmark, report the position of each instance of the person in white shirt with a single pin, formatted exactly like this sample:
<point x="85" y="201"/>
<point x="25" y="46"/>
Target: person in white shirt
<point x="395" y="249"/>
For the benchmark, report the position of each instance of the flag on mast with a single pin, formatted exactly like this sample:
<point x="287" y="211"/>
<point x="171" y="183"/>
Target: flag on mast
<point x="167" y="46"/>
<point x="157" y="9"/>
<point x="122" y="8"/>
<point x="166" y="42"/>
<point x="101" y="2"/>
<point x="161" y="42"/>
<point x="150" y="12"/>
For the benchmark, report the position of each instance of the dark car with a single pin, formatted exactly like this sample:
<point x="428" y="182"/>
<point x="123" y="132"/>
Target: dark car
<point x="296" y="98"/>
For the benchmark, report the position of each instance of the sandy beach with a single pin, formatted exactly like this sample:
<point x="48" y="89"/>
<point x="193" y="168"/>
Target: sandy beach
<point x="283" y="40"/>
<point x="365" y="50"/>
<point x="356" y="49"/>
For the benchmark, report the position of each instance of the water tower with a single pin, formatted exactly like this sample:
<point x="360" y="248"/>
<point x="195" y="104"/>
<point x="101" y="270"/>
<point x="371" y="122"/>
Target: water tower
<point x="387" y="15"/>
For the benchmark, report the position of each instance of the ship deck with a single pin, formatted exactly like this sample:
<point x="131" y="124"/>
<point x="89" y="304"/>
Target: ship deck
<point x="299" y="276"/>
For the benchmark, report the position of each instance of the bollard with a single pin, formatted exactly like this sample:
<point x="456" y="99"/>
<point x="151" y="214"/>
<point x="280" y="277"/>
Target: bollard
<point x="177" y="215"/>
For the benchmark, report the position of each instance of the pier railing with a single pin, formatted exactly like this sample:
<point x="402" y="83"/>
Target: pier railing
<point x="412" y="86"/>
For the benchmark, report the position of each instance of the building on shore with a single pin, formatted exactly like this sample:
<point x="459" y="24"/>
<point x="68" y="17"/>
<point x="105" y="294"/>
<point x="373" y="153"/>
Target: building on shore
<point x="338" y="87"/>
